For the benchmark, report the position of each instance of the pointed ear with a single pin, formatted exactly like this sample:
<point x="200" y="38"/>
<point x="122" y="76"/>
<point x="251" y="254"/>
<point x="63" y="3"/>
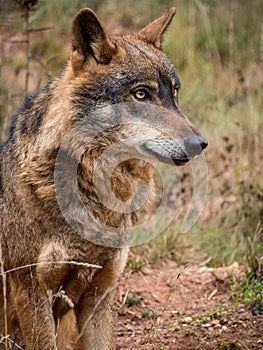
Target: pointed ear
<point x="89" y="40"/>
<point x="155" y="31"/>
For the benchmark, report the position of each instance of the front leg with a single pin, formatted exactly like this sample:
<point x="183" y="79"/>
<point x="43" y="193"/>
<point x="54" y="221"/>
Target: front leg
<point x="34" y="312"/>
<point x="97" y="321"/>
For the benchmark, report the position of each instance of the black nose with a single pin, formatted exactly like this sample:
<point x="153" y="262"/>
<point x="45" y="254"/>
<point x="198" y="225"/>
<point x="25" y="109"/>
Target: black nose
<point x="194" y="145"/>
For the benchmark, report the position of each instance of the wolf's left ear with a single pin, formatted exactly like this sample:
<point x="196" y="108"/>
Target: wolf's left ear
<point x="155" y="31"/>
<point x="89" y="40"/>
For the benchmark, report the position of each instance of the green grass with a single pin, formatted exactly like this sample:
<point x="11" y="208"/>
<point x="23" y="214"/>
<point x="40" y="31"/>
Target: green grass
<point x="248" y="291"/>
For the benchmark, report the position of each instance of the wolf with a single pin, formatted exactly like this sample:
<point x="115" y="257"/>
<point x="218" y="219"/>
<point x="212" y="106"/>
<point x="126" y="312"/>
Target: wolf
<point x="112" y="114"/>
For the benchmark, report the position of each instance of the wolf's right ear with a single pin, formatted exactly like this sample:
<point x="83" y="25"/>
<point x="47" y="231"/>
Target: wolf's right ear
<point x="89" y="40"/>
<point x="155" y="31"/>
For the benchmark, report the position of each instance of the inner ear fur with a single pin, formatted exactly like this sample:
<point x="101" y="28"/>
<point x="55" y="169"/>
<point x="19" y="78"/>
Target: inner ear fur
<point x="154" y="32"/>
<point x="89" y="40"/>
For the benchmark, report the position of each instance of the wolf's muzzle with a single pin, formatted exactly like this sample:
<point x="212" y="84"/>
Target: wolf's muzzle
<point x="174" y="151"/>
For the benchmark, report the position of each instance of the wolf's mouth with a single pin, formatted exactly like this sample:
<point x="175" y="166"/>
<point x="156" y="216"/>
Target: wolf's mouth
<point x="167" y="159"/>
<point x="175" y="153"/>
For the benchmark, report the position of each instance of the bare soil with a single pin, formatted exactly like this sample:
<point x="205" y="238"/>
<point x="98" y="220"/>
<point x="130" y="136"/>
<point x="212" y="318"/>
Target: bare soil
<point x="173" y="307"/>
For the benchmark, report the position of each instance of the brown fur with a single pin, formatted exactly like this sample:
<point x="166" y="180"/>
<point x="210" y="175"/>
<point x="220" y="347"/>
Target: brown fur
<point x="54" y="299"/>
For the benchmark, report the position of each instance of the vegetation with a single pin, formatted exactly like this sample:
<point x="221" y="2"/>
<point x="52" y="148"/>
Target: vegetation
<point x="217" y="47"/>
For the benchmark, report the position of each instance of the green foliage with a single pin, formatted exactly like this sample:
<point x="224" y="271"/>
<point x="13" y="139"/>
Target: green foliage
<point x="133" y="300"/>
<point x="249" y="290"/>
<point x="137" y="263"/>
<point x="17" y="65"/>
<point x="188" y="332"/>
<point x="221" y="31"/>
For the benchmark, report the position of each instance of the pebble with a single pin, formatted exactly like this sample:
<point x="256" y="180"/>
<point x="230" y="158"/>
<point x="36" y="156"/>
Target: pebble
<point x="215" y="323"/>
<point x="224" y="320"/>
<point x="174" y="312"/>
<point x="146" y="271"/>
<point x="187" y="320"/>
<point x="206" y="325"/>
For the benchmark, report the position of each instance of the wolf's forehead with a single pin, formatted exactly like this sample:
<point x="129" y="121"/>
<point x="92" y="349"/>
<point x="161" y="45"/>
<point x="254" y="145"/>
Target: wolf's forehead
<point x="146" y="59"/>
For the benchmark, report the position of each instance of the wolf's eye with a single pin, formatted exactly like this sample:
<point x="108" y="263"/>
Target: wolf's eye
<point x="176" y="90"/>
<point x="141" y="94"/>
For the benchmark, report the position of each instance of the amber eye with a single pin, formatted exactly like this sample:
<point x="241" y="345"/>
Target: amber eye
<point x="140" y="94"/>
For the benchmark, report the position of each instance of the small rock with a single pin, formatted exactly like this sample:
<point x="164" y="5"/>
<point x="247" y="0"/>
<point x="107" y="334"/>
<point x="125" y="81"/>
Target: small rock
<point x="174" y="312"/>
<point x="206" y="325"/>
<point x="146" y="271"/>
<point x="187" y="320"/>
<point x="224" y="321"/>
<point x="215" y="323"/>
<point x="241" y="310"/>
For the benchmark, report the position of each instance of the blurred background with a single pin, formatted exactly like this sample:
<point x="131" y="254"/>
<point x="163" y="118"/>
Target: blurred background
<point x="217" y="48"/>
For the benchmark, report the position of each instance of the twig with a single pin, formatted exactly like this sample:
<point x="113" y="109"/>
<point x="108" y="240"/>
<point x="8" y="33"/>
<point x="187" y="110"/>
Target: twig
<point x="125" y="297"/>
<point x="17" y="41"/>
<point x="28" y="53"/>
<point x="62" y="295"/>
<point x="9" y="96"/>
<point x="261" y="45"/>
<point x="152" y="331"/>
<point x="31" y="30"/>
<point x="42" y="65"/>
<point x="50" y="298"/>
<point x="14" y="344"/>
<point x="4" y="297"/>
<point x="92" y="266"/>
<point x="209" y="31"/>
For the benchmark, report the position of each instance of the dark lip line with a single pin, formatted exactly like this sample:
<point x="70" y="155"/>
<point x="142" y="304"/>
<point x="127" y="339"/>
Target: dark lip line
<point x="167" y="160"/>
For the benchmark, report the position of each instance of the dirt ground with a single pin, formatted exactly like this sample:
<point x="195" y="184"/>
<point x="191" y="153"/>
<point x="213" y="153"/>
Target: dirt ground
<point x="185" y="307"/>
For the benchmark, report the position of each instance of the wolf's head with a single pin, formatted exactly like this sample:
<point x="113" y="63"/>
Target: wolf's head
<point x="133" y="71"/>
<point x="88" y="143"/>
